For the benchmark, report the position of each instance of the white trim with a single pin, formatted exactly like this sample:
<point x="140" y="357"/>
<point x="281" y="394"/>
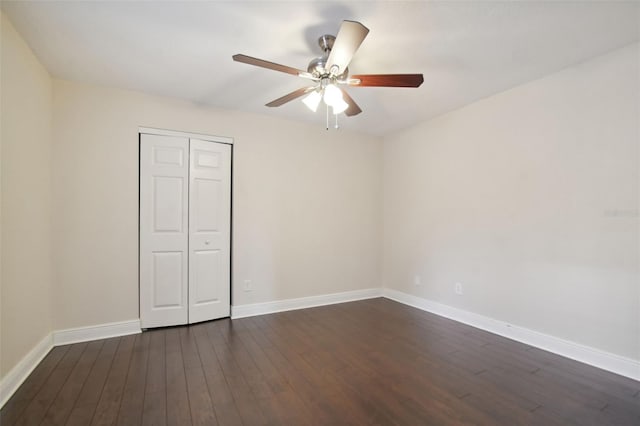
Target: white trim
<point x="95" y="332"/>
<point x="18" y="374"/>
<point x="249" y="310"/>
<point x="165" y="132"/>
<point x="586" y="354"/>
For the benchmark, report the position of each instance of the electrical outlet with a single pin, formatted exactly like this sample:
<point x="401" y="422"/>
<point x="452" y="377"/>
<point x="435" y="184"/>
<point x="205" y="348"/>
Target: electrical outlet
<point x="458" y="288"/>
<point x="248" y="286"/>
<point x="417" y="281"/>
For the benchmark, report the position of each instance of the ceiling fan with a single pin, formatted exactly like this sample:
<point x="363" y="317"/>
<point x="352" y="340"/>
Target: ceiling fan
<point x="330" y="71"/>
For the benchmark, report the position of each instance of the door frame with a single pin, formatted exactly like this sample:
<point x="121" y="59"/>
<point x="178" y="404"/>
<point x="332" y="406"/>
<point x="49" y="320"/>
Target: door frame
<point x="210" y="138"/>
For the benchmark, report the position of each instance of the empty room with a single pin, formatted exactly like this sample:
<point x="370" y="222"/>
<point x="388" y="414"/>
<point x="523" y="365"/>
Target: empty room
<point x="320" y="213"/>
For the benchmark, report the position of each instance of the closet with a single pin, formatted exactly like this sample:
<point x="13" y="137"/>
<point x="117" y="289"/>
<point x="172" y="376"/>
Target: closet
<point x="185" y="228"/>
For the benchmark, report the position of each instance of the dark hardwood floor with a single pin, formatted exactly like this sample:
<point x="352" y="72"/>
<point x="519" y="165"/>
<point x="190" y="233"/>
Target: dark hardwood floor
<point x="368" y="362"/>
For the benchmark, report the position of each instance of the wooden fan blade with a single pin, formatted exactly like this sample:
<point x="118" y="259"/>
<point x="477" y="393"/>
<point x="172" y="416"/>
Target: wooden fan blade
<point x="270" y="65"/>
<point x="289" y="97"/>
<point x="353" y="109"/>
<point x="387" y="80"/>
<point x="349" y="38"/>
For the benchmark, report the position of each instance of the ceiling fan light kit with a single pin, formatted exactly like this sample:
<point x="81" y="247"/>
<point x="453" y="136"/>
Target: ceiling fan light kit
<point x="331" y="70"/>
<point x="312" y="100"/>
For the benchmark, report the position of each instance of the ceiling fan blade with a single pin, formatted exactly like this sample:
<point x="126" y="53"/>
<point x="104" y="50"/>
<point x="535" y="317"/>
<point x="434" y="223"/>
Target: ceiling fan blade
<point x="290" y="96"/>
<point x="348" y="40"/>
<point x="386" y="80"/>
<point x="271" y="65"/>
<point x="353" y="108"/>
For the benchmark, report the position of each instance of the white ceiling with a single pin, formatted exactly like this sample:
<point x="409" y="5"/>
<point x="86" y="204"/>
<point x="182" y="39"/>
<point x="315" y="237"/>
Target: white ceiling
<point x="466" y="50"/>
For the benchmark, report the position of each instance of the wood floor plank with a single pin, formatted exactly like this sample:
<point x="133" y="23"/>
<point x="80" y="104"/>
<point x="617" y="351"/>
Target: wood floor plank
<point x="154" y="411"/>
<point x="202" y="412"/>
<point x="178" y="410"/>
<point x="106" y="412"/>
<point x="132" y="403"/>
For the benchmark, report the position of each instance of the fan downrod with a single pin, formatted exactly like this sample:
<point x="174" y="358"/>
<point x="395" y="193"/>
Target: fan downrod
<point x="326" y="43"/>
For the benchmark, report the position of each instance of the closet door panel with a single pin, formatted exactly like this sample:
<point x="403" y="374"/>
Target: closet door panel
<point x="209" y="230"/>
<point x="206" y="265"/>
<point x="164" y="236"/>
<point x="166" y="272"/>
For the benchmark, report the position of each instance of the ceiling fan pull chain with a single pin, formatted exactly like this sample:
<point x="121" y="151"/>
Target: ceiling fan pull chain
<point x="327" y="117"/>
<point x="336" y="121"/>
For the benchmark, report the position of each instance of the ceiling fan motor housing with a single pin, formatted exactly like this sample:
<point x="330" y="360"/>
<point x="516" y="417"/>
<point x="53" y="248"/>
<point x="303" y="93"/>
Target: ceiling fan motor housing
<point x="317" y="66"/>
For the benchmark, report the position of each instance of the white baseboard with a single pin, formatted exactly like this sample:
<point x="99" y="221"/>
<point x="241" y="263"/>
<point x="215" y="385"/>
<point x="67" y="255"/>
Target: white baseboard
<point x="18" y="374"/>
<point x="586" y="354"/>
<point x="249" y="310"/>
<point x="101" y="331"/>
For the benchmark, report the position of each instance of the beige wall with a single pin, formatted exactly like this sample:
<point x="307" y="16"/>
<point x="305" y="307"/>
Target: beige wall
<point x="25" y="290"/>
<point x="530" y="200"/>
<point x="306" y="202"/>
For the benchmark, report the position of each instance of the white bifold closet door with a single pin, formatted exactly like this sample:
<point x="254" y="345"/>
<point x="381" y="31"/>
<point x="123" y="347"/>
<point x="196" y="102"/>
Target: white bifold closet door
<point x="185" y="225"/>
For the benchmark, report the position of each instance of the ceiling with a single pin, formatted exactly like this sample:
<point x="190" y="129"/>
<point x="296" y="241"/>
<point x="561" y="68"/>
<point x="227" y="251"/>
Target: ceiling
<point x="466" y="50"/>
